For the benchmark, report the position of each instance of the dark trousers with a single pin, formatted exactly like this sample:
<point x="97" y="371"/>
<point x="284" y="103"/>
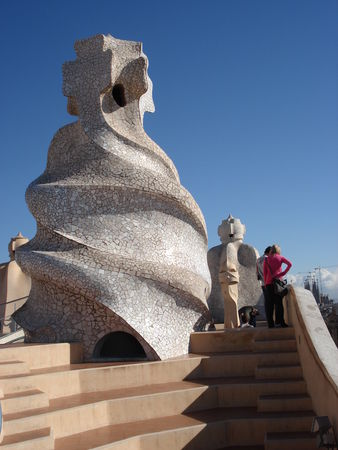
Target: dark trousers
<point x="269" y="304"/>
<point x="273" y="302"/>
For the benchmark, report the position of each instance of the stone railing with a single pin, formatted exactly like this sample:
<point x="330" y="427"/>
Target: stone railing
<point x="317" y="351"/>
<point x="7" y="323"/>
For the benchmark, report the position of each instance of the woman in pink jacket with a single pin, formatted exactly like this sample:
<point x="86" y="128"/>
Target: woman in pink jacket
<point x="273" y="269"/>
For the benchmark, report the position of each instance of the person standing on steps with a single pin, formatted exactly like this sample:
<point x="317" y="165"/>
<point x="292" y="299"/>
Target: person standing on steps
<point x="272" y="268"/>
<point x="260" y="277"/>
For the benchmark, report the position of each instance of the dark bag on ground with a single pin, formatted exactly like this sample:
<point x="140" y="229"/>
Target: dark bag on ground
<point x="279" y="286"/>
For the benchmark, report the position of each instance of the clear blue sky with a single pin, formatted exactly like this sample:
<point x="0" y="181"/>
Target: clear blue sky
<point x="246" y="96"/>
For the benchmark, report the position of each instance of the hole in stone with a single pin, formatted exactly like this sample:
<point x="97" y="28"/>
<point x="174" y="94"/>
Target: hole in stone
<point x="119" y="95"/>
<point x="119" y="346"/>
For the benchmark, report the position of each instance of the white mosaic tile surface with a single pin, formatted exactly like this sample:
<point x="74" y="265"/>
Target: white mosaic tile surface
<point x="120" y="244"/>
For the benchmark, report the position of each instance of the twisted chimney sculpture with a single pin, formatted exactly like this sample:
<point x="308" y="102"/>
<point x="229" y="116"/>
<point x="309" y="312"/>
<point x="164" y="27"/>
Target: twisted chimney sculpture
<point x="120" y="244"/>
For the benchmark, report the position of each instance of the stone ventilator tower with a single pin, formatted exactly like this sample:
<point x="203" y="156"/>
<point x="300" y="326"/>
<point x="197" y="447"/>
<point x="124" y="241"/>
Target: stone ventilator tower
<point x="121" y="246"/>
<point x="243" y="258"/>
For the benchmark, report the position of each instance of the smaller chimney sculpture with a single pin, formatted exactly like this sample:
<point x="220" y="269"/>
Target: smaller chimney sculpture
<point x="233" y="273"/>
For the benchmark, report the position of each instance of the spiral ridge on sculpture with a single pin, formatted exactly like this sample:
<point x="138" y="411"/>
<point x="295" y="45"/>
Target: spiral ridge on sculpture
<point x="120" y="244"/>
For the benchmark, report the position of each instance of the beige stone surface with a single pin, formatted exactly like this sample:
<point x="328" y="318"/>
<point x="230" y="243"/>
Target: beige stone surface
<point x="318" y="353"/>
<point x="42" y="356"/>
<point x="248" y="382"/>
<point x="212" y="400"/>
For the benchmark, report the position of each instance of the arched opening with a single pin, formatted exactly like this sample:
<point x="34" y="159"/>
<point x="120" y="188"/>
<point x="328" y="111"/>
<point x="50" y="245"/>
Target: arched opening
<point x="119" y="95"/>
<point x="119" y="346"/>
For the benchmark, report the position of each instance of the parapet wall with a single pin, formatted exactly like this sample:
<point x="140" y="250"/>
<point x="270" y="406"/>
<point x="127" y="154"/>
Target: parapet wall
<point x="318" y="353"/>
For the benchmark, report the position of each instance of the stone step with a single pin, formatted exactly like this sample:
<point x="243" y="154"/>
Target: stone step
<point x="245" y="447"/>
<point x="245" y="391"/>
<point x="13" y="368"/>
<point x="242" y="363"/>
<point x="268" y="372"/>
<point x="237" y="339"/>
<point x="39" y="356"/>
<point x="24" y="401"/>
<point x="212" y="429"/>
<point x="272" y="334"/>
<point x="278" y="359"/>
<point x="81" y="412"/>
<point x="149" y="401"/>
<point x="41" y="439"/>
<point x="242" y="391"/>
<point x="290" y="440"/>
<point x="276" y="345"/>
<point x="70" y="380"/>
<point x="284" y="402"/>
<point x="205" y="393"/>
<point x="76" y="378"/>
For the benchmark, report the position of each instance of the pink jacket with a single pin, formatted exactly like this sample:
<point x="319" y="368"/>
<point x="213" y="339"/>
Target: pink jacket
<point x="273" y="267"/>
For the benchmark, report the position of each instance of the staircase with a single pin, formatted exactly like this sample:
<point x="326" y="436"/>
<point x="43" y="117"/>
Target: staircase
<point x="239" y="389"/>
